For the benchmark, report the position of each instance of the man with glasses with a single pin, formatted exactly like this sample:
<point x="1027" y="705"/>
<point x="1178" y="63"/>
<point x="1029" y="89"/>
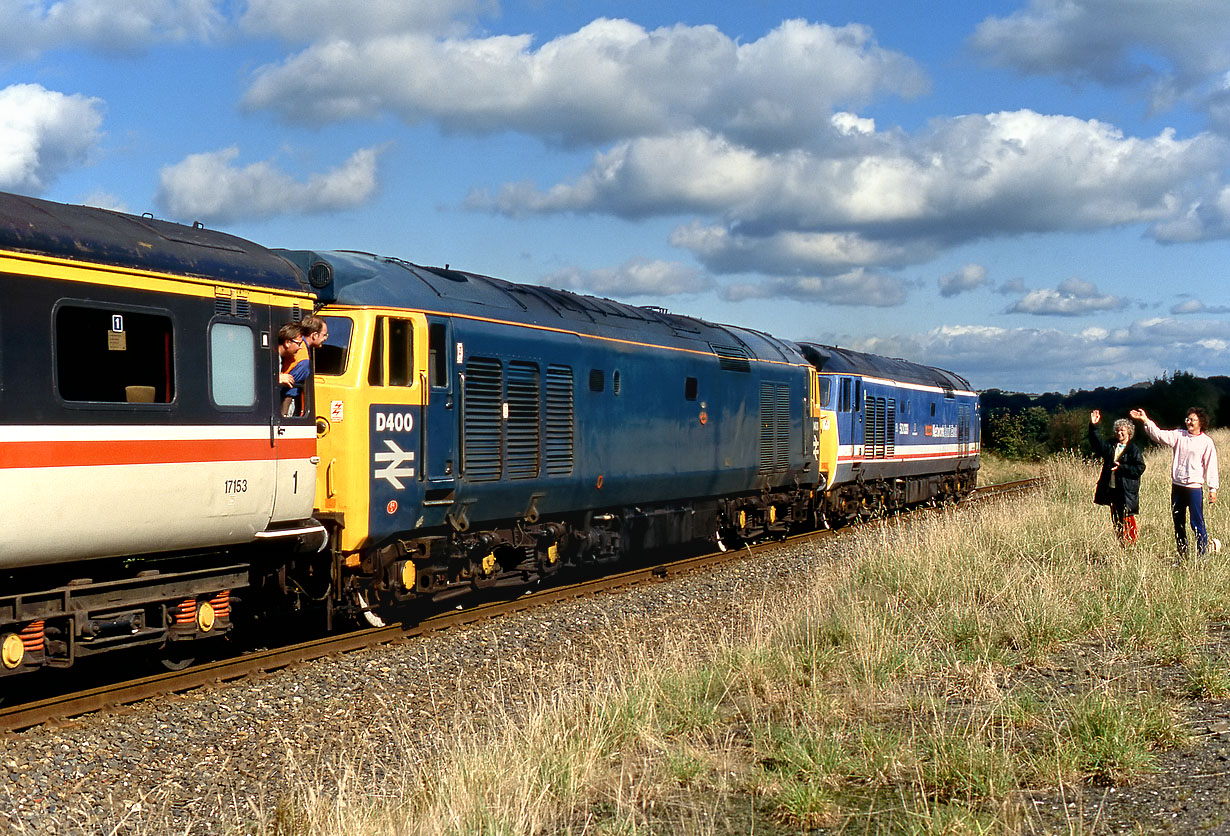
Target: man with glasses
<point x="294" y="370"/>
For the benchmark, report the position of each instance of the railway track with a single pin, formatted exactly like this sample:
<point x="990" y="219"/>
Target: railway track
<point x="60" y="708"/>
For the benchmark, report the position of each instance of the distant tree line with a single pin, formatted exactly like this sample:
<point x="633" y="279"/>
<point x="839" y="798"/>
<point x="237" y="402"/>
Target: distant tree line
<point x="1020" y="426"/>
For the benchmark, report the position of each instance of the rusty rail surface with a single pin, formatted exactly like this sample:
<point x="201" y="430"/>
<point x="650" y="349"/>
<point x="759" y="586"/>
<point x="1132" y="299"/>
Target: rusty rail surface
<point x="59" y="708"/>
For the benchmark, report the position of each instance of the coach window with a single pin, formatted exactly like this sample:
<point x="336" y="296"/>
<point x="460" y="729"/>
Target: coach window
<point x="113" y="355"/>
<point x="331" y="357"/>
<point x="232" y="365"/>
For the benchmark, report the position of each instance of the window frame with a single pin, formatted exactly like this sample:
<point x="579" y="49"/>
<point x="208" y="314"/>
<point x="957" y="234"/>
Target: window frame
<point x="209" y="364"/>
<point x="113" y="307"/>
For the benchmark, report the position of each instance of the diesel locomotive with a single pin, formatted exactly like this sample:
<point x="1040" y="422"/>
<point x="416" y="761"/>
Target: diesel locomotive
<point x="461" y="432"/>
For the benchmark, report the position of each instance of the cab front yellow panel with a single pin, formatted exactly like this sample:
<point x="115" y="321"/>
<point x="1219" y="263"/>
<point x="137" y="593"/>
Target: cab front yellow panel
<point x="824" y="423"/>
<point x="356" y="405"/>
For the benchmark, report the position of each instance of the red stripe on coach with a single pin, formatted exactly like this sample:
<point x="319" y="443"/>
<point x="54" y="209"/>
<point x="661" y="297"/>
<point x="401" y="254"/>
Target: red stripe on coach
<point x="160" y="451"/>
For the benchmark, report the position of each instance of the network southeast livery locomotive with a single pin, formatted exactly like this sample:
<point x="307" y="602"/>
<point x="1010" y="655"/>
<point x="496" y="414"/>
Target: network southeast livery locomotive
<point x="462" y="432"/>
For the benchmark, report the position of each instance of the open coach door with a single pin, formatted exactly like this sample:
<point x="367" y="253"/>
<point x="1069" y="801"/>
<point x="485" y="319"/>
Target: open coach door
<point x="293" y="438"/>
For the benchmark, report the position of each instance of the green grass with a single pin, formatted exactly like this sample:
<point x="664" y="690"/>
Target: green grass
<point x="924" y="684"/>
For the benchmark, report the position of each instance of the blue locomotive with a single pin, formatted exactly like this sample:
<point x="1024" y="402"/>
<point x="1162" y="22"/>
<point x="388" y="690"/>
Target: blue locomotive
<point x="475" y="432"/>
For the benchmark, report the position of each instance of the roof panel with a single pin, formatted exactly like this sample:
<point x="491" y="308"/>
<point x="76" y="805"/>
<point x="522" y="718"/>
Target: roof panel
<point x="100" y="236"/>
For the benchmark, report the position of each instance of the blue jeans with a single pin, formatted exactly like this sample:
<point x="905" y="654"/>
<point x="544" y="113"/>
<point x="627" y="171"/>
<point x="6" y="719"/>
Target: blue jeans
<point x="1181" y="500"/>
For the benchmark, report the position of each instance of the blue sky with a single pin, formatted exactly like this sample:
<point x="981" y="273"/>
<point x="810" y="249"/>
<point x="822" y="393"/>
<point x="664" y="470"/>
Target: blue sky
<point x="1035" y="194"/>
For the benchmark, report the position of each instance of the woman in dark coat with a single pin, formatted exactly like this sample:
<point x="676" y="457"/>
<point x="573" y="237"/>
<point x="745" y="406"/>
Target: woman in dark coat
<point x="1119" y="481"/>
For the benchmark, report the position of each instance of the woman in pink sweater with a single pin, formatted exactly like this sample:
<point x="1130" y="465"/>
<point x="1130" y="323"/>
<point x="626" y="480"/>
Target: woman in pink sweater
<point x="1194" y="466"/>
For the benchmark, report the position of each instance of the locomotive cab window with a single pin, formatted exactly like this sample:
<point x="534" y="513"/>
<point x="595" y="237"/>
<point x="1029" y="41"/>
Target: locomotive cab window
<point x="398" y="336"/>
<point x="401" y="353"/>
<point x="823" y="391"/>
<point x="689" y="388"/>
<point x="331" y="357"/>
<point x="112" y="355"/>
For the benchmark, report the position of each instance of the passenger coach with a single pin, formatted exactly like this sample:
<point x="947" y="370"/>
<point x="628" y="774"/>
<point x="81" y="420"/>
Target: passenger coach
<point x="140" y="446"/>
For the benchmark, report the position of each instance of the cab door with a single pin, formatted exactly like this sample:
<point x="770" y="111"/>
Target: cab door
<point x="858" y="427"/>
<point x="294" y="441"/>
<point x="439" y="425"/>
<point x="396" y="378"/>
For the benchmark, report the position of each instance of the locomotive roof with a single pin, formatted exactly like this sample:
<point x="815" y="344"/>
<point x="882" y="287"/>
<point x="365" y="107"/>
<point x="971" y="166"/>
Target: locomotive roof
<point x="835" y="360"/>
<point x="363" y="279"/>
<point x="101" y="236"/>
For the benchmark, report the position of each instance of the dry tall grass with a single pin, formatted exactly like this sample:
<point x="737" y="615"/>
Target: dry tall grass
<point x="926" y="683"/>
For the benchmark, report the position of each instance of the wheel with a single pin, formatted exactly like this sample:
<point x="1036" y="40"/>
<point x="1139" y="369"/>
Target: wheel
<point x="175" y="657"/>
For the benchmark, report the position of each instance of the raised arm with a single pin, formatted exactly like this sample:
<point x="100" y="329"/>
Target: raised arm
<point x="1167" y="437"/>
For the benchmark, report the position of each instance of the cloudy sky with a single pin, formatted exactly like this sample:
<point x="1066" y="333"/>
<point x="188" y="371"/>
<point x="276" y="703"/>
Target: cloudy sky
<point x="1035" y="194"/>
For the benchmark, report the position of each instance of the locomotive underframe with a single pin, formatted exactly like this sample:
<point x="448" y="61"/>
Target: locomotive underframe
<point x="442" y="564"/>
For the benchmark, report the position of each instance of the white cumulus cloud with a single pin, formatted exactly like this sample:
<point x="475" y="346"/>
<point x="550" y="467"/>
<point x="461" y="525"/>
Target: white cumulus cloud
<point x="210" y="187"/>
<point x="1073" y="297"/>
<point x="29" y="26"/>
<point x="1052" y="359"/>
<point x="640" y="277"/>
<point x="892" y="199"/>
<point x="856" y="288"/>
<point x="322" y="20"/>
<point x="969" y="277"/>
<point x="609" y="80"/>
<point x="1111" y="41"/>
<point x="43" y="133"/>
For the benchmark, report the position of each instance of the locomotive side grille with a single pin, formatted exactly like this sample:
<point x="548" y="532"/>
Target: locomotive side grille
<point x="227" y="303"/>
<point x="559" y="421"/>
<point x="483" y="425"/>
<point x="890" y="429"/>
<point x="521" y="438"/>
<point x="766" y="427"/>
<point x="732" y="358"/>
<point x="774" y="427"/>
<point x="873" y="429"/>
<point x="781" y="439"/>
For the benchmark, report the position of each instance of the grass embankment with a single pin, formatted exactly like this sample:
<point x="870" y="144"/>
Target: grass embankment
<point x="996" y="470"/>
<point x="931" y="681"/>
